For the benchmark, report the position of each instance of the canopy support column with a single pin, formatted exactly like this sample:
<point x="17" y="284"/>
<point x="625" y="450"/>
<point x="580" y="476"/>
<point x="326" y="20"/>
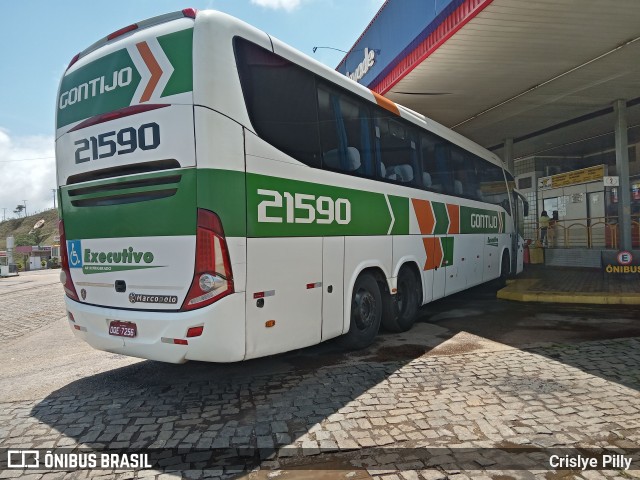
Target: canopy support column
<point x="622" y="169"/>
<point x="508" y="155"/>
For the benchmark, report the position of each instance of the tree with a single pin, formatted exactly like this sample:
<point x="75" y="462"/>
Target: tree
<point x="19" y="209"/>
<point x="23" y="240"/>
<point x="33" y="238"/>
<point x="37" y="236"/>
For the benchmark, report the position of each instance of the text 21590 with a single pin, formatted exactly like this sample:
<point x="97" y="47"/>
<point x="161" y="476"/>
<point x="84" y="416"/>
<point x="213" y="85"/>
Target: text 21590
<point x="127" y="140"/>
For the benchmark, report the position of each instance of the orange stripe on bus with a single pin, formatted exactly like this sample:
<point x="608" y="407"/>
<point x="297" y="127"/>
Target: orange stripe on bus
<point x="386" y="103"/>
<point x="424" y="214"/>
<point x="454" y="218"/>
<point x="433" y="249"/>
<point x="154" y="68"/>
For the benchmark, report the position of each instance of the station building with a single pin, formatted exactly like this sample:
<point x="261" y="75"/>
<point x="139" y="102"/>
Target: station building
<point x="550" y="86"/>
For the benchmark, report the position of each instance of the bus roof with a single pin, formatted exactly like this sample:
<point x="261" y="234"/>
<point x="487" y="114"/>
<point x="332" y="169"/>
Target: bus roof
<point x="187" y="12"/>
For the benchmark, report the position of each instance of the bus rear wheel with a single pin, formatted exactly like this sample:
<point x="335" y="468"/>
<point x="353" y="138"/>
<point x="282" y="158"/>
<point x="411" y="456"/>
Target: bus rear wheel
<point x="366" y="313"/>
<point x="505" y="270"/>
<point x="400" y="309"/>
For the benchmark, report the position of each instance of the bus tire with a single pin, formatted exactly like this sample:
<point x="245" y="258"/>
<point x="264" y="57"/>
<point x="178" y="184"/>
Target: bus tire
<point x="366" y="313"/>
<point x="399" y="312"/>
<point x="505" y="269"/>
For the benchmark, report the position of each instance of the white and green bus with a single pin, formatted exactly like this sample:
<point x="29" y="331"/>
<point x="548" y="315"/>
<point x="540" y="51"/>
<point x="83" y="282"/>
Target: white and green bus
<point x="225" y="197"/>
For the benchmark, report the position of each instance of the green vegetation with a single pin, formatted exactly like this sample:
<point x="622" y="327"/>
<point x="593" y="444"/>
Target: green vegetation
<point x="20" y="229"/>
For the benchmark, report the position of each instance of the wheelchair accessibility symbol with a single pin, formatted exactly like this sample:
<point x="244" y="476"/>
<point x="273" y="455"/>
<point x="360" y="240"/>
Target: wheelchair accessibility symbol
<point x="74" y="250"/>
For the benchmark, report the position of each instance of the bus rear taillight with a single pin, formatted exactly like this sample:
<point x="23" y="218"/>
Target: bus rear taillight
<point x="65" y="273"/>
<point x="73" y="60"/>
<point x="122" y="31"/>
<point x="212" y="278"/>
<point x="190" y="12"/>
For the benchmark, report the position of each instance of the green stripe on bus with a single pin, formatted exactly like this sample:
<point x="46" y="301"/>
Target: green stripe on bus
<point x="252" y="205"/>
<point x="178" y="47"/>
<point x="280" y="207"/>
<point x="480" y="220"/>
<point x="142" y="217"/>
<point x="223" y="192"/>
<point x="447" y="250"/>
<point x="442" y="218"/>
<point x="400" y="207"/>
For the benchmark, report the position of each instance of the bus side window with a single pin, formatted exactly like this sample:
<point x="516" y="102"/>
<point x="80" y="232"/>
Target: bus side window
<point x="281" y="101"/>
<point x="396" y="149"/>
<point x="464" y="170"/>
<point x="473" y="176"/>
<point x="345" y="132"/>
<point x="492" y="185"/>
<point x="427" y="162"/>
<point x="456" y="162"/>
<point x="442" y="168"/>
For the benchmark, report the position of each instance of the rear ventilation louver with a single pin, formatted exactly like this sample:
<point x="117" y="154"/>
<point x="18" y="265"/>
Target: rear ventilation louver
<point x="119" y="171"/>
<point x="119" y="193"/>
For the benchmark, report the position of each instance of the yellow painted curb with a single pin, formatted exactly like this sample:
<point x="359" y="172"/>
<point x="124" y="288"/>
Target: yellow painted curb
<point x="595" y="298"/>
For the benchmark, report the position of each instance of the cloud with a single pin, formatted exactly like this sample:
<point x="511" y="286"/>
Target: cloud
<point x="288" y="5"/>
<point x="27" y="172"/>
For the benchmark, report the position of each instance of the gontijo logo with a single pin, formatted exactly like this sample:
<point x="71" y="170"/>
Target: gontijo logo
<point x="143" y="71"/>
<point x="484" y="221"/>
<point x="95" y="87"/>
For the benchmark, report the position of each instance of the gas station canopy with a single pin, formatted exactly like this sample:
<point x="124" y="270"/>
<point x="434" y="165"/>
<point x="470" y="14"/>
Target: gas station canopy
<point x="543" y="73"/>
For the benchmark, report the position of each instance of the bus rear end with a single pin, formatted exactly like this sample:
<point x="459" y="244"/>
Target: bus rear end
<point x="147" y="269"/>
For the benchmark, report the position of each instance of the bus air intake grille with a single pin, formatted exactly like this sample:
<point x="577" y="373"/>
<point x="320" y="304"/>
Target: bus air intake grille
<point x="147" y="182"/>
<point x="124" y="198"/>
<point x="122" y="170"/>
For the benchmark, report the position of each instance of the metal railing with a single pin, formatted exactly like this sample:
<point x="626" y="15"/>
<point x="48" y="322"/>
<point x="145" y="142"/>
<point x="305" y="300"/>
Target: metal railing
<point x="595" y="232"/>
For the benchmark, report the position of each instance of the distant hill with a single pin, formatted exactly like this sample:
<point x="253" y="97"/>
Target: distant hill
<point x="22" y="226"/>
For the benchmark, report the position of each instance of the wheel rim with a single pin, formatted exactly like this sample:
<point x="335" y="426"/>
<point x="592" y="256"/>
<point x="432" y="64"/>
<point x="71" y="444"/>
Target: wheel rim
<point x="365" y="309"/>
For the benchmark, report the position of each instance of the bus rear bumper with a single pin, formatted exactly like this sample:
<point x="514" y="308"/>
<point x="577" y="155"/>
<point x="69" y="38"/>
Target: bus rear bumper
<point x="222" y="339"/>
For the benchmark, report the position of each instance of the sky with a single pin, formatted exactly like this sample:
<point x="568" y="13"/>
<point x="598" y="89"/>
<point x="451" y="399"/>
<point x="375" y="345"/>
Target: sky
<point x="38" y="38"/>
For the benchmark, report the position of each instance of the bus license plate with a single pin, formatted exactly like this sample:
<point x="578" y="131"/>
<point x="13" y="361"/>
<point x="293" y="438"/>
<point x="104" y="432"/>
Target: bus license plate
<point x="123" y="329"/>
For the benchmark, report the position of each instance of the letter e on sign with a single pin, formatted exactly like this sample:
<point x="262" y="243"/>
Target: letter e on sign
<point x="611" y="181"/>
<point x="625" y="258"/>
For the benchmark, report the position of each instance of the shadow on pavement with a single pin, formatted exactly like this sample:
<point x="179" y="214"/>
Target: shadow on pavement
<point x="555" y="331"/>
<point x="276" y="401"/>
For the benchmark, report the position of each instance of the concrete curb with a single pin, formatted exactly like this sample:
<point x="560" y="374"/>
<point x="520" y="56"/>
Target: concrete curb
<point x="524" y="291"/>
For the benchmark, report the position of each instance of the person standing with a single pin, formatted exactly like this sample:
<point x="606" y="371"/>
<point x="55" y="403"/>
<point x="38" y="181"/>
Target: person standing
<point x="544" y="227"/>
<point x="551" y="233"/>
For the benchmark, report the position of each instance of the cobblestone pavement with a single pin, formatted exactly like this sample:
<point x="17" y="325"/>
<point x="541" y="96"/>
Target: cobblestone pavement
<point x="438" y="402"/>
<point x="560" y="395"/>
<point x="29" y="303"/>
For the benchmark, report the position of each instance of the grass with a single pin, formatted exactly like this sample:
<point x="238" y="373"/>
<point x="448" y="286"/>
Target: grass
<point x="22" y="226"/>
